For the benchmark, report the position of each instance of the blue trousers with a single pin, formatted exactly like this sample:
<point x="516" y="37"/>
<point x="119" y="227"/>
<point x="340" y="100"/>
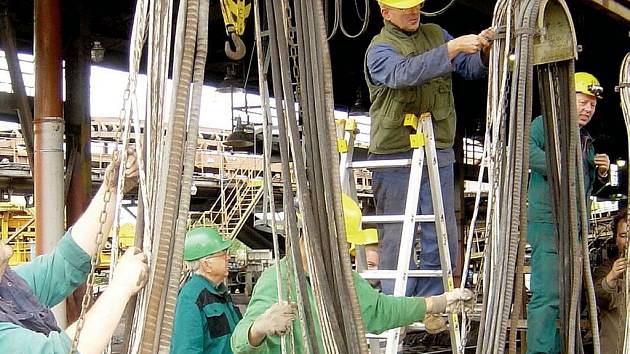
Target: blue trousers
<point x="543" y="335"/>
<point x="390" y="193"/>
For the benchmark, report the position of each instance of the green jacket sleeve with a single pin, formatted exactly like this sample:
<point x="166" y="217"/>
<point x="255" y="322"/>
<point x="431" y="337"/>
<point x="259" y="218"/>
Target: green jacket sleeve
<point x="264" y="295"/>
<point x="19" y="340"/>
<point x="53" y="276"/>
<point x="382" y="312"/>
<point x="188" y="328"/>
<point x="537" y="157"/>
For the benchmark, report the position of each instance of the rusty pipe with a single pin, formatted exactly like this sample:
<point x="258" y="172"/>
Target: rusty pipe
<point x="48" y="127"/>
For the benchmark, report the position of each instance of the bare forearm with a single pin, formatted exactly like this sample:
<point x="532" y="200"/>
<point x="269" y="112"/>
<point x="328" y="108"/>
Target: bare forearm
<point x="101" y="321"/>
<point x="86" y="229"/>
<point x="255" y="338"/>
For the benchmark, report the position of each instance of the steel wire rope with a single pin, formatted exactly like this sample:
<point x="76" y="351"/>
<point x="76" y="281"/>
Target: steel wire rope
<point x="588" y="279"/>
<point x="311" y="112"/>
<point x="440" y="11"/>
<point x="282" y="93"/>
<point x="267" y="146"/>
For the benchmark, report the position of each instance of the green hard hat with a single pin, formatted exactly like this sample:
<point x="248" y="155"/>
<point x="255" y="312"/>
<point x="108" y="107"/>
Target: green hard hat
<point x="203" y="241"/>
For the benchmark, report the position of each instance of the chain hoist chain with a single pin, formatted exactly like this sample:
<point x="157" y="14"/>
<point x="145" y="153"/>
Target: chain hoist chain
<point x="87" y="297"/>
<point x="89" y="285"/>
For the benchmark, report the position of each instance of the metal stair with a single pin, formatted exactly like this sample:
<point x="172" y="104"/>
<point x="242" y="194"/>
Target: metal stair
<point x="241" y="191"/>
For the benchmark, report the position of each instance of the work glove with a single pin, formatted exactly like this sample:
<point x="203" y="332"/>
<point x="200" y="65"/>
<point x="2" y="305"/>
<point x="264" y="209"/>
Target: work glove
<point x="276" y="321"/>
<point x="131" y="272"/>
<point x="454" y="301"/>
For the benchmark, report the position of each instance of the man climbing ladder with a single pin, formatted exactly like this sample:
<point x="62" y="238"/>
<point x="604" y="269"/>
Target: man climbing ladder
<point x="408" y="70"/>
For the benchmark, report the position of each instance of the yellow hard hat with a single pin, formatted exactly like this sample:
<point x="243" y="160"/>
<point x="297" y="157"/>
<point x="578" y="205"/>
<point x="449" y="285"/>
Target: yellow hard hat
<point x="588" y="84"/>
<point x="363" y="237"/>
<point x="351" y="214"/>
<point x="401" y="4"/>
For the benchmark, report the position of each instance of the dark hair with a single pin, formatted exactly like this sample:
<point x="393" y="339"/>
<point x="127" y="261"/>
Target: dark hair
<point x="621" y="215"/>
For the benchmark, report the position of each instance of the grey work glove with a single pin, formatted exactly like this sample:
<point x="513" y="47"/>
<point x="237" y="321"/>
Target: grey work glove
<point x="276" y="321"/>
<point x="454" y="301"/>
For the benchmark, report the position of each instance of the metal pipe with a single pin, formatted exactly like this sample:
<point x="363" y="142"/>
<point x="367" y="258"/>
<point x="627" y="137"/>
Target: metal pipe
<point x="48" y="130"/>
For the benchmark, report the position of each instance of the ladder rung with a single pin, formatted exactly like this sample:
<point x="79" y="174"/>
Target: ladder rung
<point x="391" y="274"/>
<point x="379" y="163"/>
<point x="390" y="219"/>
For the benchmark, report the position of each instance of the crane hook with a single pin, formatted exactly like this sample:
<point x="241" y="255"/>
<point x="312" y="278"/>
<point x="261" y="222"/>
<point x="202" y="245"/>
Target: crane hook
<point x="239" y="46"/>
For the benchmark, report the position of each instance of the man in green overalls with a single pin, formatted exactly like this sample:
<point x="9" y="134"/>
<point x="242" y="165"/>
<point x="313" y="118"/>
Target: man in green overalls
<point x="205" y="315"/>
<point x="542" y="313"/>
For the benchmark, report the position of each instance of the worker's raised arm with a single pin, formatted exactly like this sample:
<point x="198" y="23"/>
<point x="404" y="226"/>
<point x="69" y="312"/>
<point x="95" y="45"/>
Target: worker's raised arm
<point x="100" y="211"/>
<point x="101" y="320"/>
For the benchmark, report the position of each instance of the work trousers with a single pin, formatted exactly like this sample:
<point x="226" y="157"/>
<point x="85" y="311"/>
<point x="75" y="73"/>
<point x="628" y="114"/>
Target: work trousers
<point x="543" y="335"/>
<point x="390" y="193"/>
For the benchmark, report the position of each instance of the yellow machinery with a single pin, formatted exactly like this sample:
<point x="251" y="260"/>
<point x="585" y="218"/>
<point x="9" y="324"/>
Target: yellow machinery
<point x="125" y="237"/>
<point x="18" y="227"/>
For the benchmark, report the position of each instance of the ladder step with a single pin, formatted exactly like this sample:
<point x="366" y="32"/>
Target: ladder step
<point x="391" y="274"/>
<point x="380" y="163"/>
<point x="390" y="219"/>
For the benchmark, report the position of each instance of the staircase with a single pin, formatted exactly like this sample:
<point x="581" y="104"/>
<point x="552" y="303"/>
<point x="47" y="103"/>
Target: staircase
<point x="241" y="191"/>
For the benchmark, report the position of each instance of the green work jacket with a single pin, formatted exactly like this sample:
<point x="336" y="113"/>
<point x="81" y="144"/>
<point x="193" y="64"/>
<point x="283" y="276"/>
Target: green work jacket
<point x="388" y="135"/>
<point x="538" y="193"/>
<point x="205" y="317"/>
<point x="52" y="277"/>
<point x="380" y="312"/>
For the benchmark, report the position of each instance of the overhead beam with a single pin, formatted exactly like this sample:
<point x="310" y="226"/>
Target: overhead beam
<point x="616" y="8"/>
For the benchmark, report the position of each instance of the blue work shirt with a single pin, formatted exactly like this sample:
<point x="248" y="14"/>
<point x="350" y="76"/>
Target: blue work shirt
<point x="387" y="67"/>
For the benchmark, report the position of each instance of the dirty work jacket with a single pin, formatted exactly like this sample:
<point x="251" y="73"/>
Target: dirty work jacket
<point x="379" y="312"/>
<point x="52" y="277"/>
<point x="612" y="306"/>
<point x="411" y="73"/>
<point x="205" y="317"/>
<point x="538" y="193"/>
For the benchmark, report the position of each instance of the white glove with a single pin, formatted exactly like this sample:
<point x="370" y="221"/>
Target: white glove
<point x="276" y="321"/>
<point x="454" y="301"/>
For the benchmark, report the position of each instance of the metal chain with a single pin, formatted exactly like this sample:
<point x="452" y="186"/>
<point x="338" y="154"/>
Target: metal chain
<point x="87" y="297"/>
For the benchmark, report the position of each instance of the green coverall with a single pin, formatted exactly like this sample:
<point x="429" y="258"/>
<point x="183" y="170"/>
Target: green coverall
<point x="380" y="312"/>
<point x="52" y="277"/>
<point x="204" y="318"/>
<point x="543" y="310"/>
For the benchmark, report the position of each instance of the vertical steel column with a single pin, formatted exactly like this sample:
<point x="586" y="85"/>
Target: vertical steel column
<point x="78" y="127"/>
<point x="48" y="130"/>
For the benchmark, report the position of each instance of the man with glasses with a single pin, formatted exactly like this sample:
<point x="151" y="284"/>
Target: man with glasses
<point x="205" y="315"/>
<point x="408" y="68"/>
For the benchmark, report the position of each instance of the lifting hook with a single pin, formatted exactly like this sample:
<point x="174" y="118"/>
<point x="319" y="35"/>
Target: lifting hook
<point x="239" y="46"/>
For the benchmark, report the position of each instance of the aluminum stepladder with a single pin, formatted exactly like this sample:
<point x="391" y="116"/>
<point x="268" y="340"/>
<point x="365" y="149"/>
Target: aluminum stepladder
<point x="422" y="142"/>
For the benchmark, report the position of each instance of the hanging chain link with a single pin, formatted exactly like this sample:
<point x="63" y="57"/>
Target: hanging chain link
<point x="89" y="284"/>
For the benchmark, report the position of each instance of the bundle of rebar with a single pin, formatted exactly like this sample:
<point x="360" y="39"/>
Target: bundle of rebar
<point x="301" y="76"/>
<point x="168" y="145"/>
<point x="517" y="49"/>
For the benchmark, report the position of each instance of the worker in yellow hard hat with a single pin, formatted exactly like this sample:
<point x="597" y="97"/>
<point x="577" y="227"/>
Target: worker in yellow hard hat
<point x="356" y="235"/>
<point x="408" y="69"/>
<point x="542" y="312"/>
<point x="266" y="320"/>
